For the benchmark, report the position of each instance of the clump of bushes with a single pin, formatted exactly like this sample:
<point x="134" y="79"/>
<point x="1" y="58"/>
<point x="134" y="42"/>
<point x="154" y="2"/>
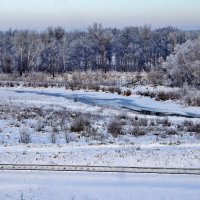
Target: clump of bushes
<point x="40" y="125"/>
<point x="194" y="128"/>
<point x="115" y="128"/>
<point x="118" y="90"/>
<point x="80" y="124"/>
<point x="164" y="122"/>
<point x="143" y="122"/>
<point x="70" y="137"/>
<point x="164" y="96"/>
<point x="147" y="94"/>
<point x="111" y="89"/>
<point x="161" y="95"/>
<point x="171" y="132"/>
<point x="96" y="88"/>
<point x="137" y="132"/>
<point x="155" y="77"/>
<point x="193" y="100"/>
<point x="128" y="93"/>
<point x="187" y="123"/>
<point x="123" y="116"/>
<point x="191" y="127"/>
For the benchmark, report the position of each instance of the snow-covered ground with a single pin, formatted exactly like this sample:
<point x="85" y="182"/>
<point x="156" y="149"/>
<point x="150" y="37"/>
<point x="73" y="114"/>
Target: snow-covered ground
<point x="184" y="156"/>
<point x="97" y="186"/>
<point x="36" y="111"/>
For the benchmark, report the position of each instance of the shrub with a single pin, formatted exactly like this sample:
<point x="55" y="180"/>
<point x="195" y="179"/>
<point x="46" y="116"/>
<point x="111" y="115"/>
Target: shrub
<point x="152" y="123"/>
<point x="70" y="137"/>
<point x="147" y="94"/>
<point x="115" y="127"/>
<point x="187" y="123"/>
<point x="53" y="137"/>
<point x="111" y="89"/>
<point x="80" y="124"/>
<point x="118" y="90"/>
<point x="195" y="128"/>
<point x="128" y="93"/>
<point x="171" y="132"/>
<point x="91" y="132"/>
<point x="95" y="88"/>
<point x="155" y="77"/>
<point x="123" y="115"/>
<point x="11" y="84"/>
<point x="193" y="101"/>
<point x="37" y="76"/>
<point x="40" y="126"/>
<point x="142" y="122"/>
<point x="103" y="89"/>
<point x="166" y="122"/>
<point x="45" y="85"/>
<point x="136" y="131"/>
<point x="25" y="137"/>
<point x="139" y="121"/>
<point x="164" y="96"/>
<point x="196" y="101"/>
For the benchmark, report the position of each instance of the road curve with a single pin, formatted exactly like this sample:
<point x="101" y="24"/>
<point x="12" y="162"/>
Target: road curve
<point x="102" y="169"/>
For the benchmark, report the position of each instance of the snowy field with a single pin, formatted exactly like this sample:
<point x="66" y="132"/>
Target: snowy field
<point x="104" y="155"/>
<point x="97" y="186"/>
<point x="46" y="118"/>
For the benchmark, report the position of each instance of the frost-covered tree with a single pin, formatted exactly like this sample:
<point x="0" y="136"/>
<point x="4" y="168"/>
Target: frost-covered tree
<point x="81" y="53"/>
<point x="57" y="51"/>
<point x="126" y="48"/>
<point x="183" y="66"/>
<point x="27" y="49"/>
<point x="7" y="61"/>
<point x="101" y="44"/>
<point x="53" y="60"/>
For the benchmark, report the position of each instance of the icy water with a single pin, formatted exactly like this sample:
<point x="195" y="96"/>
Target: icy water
<point x="109" y="100"/>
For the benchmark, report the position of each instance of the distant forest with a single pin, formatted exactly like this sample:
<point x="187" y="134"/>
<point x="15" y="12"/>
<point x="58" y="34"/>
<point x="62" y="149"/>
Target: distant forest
<point x="58" y="51"/>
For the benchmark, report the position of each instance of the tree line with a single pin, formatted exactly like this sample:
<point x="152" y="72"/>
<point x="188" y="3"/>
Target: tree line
<point x="58" y="51"/>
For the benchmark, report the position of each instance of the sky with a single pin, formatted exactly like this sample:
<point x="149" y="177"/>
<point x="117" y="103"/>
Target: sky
<point x="79" y="14"/>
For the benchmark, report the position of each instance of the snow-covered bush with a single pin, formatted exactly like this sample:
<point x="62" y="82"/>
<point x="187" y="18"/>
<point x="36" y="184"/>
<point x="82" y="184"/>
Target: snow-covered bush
<point x="53" y="137"/>
<point x="171" y="132"/>
<point x="80" y="124"/>
<point x="170" y="95"/>
<point x="137" y="131"/>
<point x="155" y="77"/>
<point x="123" y="116"/>
<point x="128" y="93"/>
<point x="143" y="122"/>
<point x="193" y="100"/>
<point x="24" y="136"/>
<point x="40" y="125"/>
<point x="195" y="128"/>
<point x="70" y="137"/>
<point x="115" y="127"/>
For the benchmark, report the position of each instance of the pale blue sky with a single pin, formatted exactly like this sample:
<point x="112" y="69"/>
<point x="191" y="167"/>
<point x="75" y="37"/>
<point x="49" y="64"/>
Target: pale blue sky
<point x="73" y="14"/>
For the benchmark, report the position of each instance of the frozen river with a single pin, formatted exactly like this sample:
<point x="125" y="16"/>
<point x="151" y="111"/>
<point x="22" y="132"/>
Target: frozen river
<point x="135" y="103"/>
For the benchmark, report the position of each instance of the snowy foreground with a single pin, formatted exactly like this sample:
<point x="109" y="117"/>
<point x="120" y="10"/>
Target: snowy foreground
<point x="97" y="186"/>
<point x="47" y="114"/>
<point x="187" y="156"/>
